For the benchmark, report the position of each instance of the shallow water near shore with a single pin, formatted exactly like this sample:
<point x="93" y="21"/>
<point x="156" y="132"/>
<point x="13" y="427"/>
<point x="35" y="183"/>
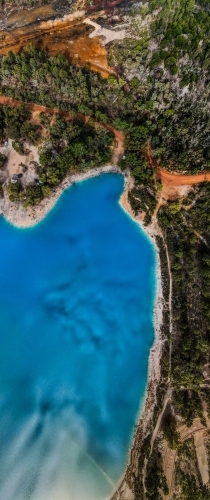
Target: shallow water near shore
<point x="76" y="315"/>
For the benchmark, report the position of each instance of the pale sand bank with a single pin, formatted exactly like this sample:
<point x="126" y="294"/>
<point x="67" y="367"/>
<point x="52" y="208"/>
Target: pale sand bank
<point x="152" y="230"/>
<point x="15" y="162"/>
<point x="108" y="35"/>
<point x="122" y="491"/>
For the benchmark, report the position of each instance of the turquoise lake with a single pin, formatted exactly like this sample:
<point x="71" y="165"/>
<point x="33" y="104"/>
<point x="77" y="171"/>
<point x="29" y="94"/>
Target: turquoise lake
<point x="76" y="325"/>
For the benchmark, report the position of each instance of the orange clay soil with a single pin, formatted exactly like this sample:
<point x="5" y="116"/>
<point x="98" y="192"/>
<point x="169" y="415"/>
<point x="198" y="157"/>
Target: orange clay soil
<point x="174" y="179"/>
<point x="181" y="179"/>
<point x="68" y="36"/>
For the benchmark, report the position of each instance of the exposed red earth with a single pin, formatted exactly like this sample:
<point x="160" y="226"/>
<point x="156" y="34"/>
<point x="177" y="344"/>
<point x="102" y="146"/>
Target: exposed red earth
<point x="168" y="178"/>
<point x="68" y="36"/>
<point x="175" y="179"/>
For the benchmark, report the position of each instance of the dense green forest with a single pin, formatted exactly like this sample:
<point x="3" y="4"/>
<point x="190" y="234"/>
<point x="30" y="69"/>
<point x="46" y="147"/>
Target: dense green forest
<point x="172" y="60"/>
<point x="185" y="227"/>
<point x="170" y="65"/>
<point x="173" y="111"/>
<point x="72" y="146"/>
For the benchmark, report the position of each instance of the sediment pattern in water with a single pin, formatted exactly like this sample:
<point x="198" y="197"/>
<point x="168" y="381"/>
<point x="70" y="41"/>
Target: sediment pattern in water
<point x="76" y="304"/>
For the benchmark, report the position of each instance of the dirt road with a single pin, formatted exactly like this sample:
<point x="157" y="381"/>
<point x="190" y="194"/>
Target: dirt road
<point x="181" y="179"/>
<point x="167" y="178"/>
<point x="119" y="136"/>
<point x="175" y="179"/>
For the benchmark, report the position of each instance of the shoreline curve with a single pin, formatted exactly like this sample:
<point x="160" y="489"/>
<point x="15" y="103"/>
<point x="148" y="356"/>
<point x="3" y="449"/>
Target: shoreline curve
<point x="20" y="217"/>
<point x="144" y="416"/>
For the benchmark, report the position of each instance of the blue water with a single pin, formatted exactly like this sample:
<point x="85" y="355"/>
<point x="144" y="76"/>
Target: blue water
<point x="76" y="301"/>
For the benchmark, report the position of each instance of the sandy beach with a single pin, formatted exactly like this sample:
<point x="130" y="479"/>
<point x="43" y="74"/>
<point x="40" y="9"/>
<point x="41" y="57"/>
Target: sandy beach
<point x="143" y="421"/>
<point x="152" y="230"/>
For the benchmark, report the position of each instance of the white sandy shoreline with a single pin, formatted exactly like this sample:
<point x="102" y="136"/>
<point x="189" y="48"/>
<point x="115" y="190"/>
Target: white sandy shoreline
<point x="22" y="217"/>
<point x="122" y="491"/>
<point x="151" y="231"/>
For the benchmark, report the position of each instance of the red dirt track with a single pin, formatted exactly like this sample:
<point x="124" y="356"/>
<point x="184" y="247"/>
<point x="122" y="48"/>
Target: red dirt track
<point x="51" y="111"/>
<point x="167" y="178"/>
<point x="181" y="179"/>
<point x="174" y="179"/>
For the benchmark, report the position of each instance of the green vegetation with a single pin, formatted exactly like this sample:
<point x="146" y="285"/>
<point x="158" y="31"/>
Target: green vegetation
<point x="155" y="479"/>
<point x="169" y="428"/>
<point x="171" y="63"/>
<point x="180" y="29"/>
<point x="18" y="146"/>
<point x="72" y="147"/>
<point x="174" y="121"/>
<point x="15" y="191"/>
<point x="160" y="100"/>
<point x="185" y="227"/>
<point x="190" y="489"/>
<point x="186" y="232"/>
<point x="3" y="160"/>
<point x="189" y="265"/>
<point x="16" y="125"/>
<point x="186" y="472"/>
<point x="172" y="73"/>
